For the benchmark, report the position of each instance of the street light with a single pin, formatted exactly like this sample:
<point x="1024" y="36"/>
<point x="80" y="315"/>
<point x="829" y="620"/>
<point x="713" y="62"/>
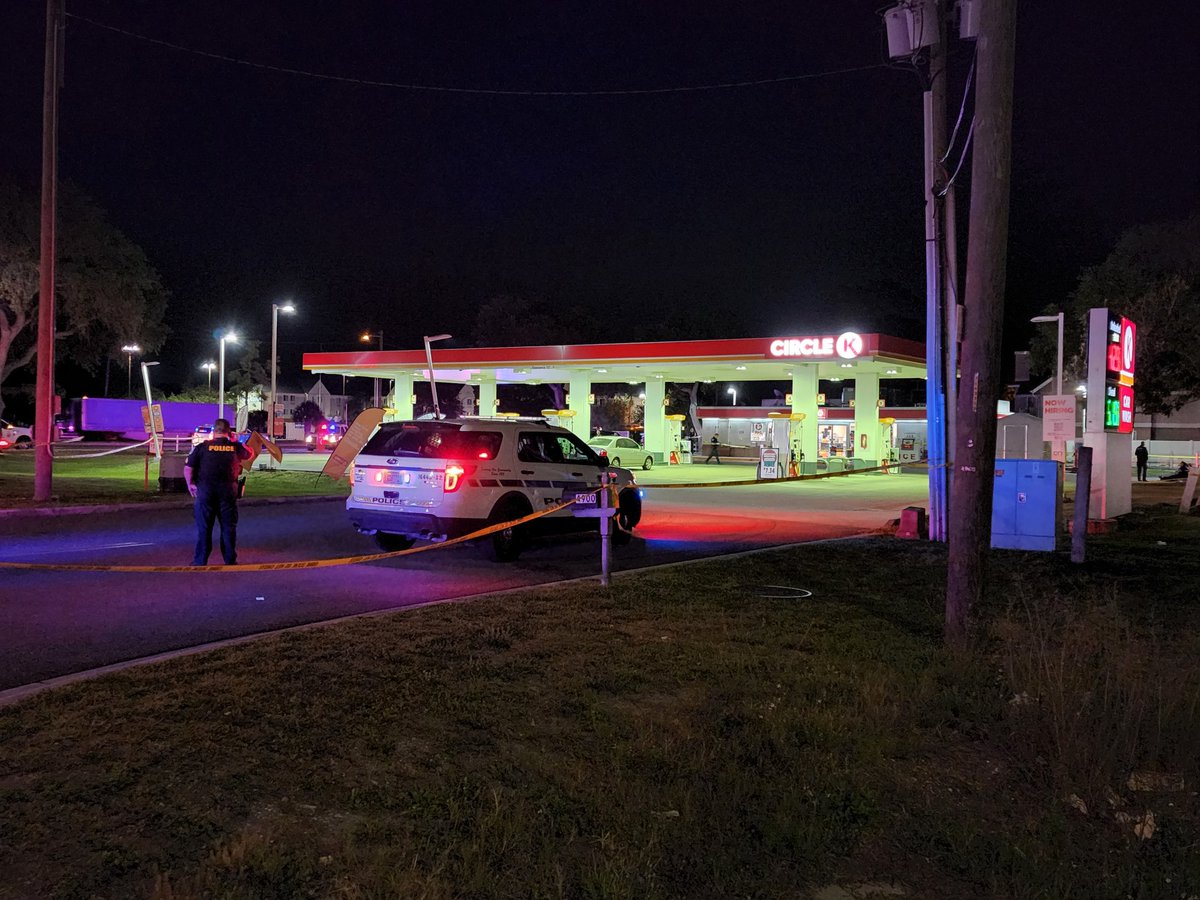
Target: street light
<point x="276" y="309"/>
<point x="366" y="338"/>
<point x="129" y="350"/>
<point x="1058" y="449"/>
<point x="733" y="391"/>
<point x="1058" y="317"/>
<point x="209" y="367"/>
<point x="232" y="338"/>
<point x="429" y="339"/>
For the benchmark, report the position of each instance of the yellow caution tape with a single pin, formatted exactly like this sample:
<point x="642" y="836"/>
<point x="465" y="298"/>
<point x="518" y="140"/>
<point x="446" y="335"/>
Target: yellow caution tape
<point x="818" y="475"/>
<point x="394" y="554"/>
<point x="298" y="564"/>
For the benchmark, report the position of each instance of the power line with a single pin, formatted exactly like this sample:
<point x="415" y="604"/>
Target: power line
<point x="961" y="159"/>
<point x="962" y="108"/>
<point x="498" y="92"/>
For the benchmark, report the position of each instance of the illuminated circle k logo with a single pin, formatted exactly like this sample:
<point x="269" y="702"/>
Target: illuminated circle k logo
<point x="1127" y="347"/>
<point x="849" y="345"/>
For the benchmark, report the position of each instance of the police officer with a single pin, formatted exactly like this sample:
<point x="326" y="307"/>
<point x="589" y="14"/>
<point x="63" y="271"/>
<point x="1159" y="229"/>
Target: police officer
<point x="211" y="472"/>
<point x="714" y="450"/>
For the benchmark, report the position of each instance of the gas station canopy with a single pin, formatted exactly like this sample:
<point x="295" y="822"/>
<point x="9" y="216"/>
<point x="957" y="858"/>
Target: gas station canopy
<point x="742" y="359"/>
<point x="865" y="359"/>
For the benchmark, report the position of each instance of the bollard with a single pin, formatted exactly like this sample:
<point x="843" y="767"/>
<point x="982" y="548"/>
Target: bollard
<point x="1083" y="490"/>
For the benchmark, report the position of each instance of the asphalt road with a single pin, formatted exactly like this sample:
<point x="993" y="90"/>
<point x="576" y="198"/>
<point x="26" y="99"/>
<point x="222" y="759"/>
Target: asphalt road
<point x="57" y="623"/>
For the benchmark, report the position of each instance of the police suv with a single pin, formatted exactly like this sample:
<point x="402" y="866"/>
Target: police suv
<point x="439" y="479"/>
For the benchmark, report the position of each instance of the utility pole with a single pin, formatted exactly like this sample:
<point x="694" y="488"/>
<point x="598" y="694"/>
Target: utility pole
<point x="975" y="441"/>
<point x="934" y="107"/>
<point x="916" y="32"/>
<point x="43" y="422"/>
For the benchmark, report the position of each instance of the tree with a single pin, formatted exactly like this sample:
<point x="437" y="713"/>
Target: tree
<point x="514" y="320"/>
<point x="107" y="295"/>
<point x="1152" y="276"/>
<point x="248" y="373"/>
<point x="307" y="412"/>
<point x="618" y="412"/>
<point x="200" y="394"/>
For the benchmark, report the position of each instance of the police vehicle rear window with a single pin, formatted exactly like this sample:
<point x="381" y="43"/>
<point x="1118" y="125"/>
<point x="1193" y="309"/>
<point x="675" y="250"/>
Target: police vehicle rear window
<point x="433" y="440"/>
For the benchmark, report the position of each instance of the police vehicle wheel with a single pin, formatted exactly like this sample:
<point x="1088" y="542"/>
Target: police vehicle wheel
<point x="508" y="544"/>
<point x="648" y="463"/>
<point x="614" y="460"/>
<point x="392" y="542"/>
<point x="629" y="509"/>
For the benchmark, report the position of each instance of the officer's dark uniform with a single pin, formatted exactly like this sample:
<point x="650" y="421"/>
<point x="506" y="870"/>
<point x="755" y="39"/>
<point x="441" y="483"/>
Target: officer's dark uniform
<point x="714" y="450"/>
<point x="1143" y="460"/>
<point x="215" y="467"/>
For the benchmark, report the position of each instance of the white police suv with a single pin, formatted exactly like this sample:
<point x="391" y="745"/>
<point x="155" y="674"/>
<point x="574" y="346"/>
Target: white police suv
<point x="438" y="479"/>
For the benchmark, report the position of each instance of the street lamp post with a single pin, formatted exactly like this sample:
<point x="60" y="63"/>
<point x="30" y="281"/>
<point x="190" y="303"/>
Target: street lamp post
<point x="733" y="391"/>
<point x="429" y="339"/>
<point x="1058" y="449"/>
<point x="367" y="337"/>
<point x="208" y="367"/>
<point x="129" y="350"/>
<point x="221" y="376"/>
<point x="275" y="310"/>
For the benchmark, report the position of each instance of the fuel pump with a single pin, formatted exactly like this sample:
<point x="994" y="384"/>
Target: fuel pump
<point x="796" y="455"/>
<point x="562" y="418"/>
<point x="888" y="456"/>
<point x="675" y="452"/>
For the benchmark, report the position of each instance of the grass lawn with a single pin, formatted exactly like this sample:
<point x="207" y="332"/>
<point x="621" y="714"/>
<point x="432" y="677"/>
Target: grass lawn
<point x="121" y="478"/>
<point x="678" y="735"/>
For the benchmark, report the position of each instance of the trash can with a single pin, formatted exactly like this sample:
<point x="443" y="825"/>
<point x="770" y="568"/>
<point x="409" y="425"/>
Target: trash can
<point x="170" y="474"/>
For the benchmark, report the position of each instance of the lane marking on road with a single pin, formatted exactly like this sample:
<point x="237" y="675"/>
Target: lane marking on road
<point x="297" y="564"/>
<point x="119" y="546"/>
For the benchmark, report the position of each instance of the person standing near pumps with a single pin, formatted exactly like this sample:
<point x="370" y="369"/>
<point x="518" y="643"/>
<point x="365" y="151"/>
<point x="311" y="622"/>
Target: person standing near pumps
<point x="714" y="450"/>
<point x="211" y="473"/>
<point x="1143" y="459"/>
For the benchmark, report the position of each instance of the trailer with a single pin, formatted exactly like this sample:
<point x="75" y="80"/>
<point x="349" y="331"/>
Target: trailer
<point x="102" y="418"/>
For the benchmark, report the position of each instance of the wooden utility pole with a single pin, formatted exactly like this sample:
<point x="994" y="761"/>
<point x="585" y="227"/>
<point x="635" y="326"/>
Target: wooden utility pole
<point x="43" y="421"/>
<point x="975" y="442"/>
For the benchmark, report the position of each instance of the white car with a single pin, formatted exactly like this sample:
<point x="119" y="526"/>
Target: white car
<point x="439" y="479"/>
<point x="621" y="450"/>
<point x="15" y="436"/>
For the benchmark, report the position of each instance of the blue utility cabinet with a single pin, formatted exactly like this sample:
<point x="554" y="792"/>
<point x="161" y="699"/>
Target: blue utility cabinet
<point x="1025" y="504"/>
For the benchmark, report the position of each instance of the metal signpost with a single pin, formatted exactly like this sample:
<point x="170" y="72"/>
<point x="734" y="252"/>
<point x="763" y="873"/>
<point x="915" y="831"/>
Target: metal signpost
<point x="152" y="414"/>
<point x="596" y="505"/>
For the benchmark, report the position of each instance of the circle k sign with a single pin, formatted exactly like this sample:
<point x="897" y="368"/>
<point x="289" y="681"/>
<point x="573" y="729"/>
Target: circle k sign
<point x="849" y="345"/>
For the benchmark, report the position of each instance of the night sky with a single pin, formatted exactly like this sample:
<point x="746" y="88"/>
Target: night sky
<point x="781" y="208"/>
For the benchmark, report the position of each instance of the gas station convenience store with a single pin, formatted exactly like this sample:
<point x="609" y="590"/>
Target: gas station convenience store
<point x="809" y="419"/>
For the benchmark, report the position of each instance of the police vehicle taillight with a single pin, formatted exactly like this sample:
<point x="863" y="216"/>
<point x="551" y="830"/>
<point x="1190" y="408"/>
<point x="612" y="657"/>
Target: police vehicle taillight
<point x="455" y="476"/>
